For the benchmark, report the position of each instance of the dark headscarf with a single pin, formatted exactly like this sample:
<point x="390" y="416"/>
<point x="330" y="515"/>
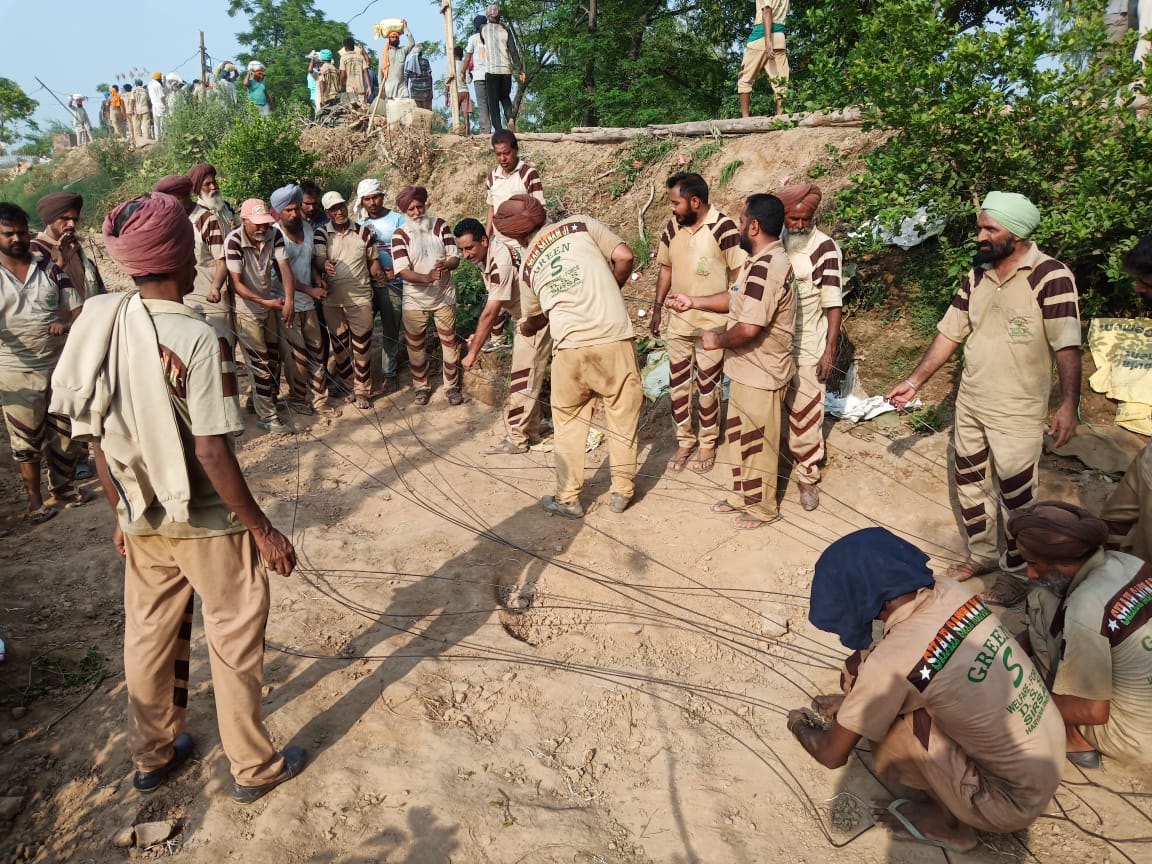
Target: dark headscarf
<point x="857" y="575"/>
<point x="519" y="216"/>
<point x="198" y="173"/>
<point x="478" y="24"/>
<point x="409" y="194"/>
<point x="150" y="234"/>
<point x="174" y="184"/>
<point x="1058" y="532"/>
<point x="52" y="207"/>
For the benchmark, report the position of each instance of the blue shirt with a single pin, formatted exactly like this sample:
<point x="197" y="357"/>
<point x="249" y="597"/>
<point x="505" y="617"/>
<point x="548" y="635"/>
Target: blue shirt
<point x="257" y="92"/>
<point x="383" y="228"/>
<point x="312" y="85"/>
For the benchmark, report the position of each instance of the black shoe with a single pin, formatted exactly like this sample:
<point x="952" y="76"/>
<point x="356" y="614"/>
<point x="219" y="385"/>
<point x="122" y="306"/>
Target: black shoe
<point x="150" y="781"/>
<point x="567" y="509"/>
<point x="295" y="758"/>
<point x="1086" y="759"/>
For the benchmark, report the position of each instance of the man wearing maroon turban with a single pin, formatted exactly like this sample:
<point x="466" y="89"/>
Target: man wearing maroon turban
<point x="186" y="520"/>
<point x="570" y="282"/>
<point x="816" y="265"/>
<point x="1090" y="628"/>
<point x="37" y="307"/>
<point x="60" y="214"/>
<point x="424" y="255"/>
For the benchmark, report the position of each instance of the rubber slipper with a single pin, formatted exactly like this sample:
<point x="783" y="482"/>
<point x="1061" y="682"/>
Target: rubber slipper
<point x="505" y="447"/>
<point x="677" y="463"/>
<point x="42" y="514"/>
<point x="422" y="397"/>
<point x="1005" y="591"/>
<point x="703" y="464"/>
<point x="71" y="498"/>
<point x="85" y="471"/>
<point x="723" y="507"/>
<point x="744" y="522"/>
<point x="969" y="569"/>
<point x="915" y="833"/>
<point x="1089" y="759"/>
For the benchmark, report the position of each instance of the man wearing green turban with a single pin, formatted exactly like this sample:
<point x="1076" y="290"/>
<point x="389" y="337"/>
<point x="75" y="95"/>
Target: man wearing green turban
<point x="1016" y="311"/>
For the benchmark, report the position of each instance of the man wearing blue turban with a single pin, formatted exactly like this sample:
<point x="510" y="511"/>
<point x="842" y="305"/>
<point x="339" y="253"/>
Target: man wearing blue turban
<point x="1016" y="311"/>
<point x="949" y="701"/>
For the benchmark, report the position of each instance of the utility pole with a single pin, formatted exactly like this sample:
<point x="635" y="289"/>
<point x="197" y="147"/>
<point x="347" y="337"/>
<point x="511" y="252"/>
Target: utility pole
<point x="203" y="63"/>
<point x="450" y="81"/>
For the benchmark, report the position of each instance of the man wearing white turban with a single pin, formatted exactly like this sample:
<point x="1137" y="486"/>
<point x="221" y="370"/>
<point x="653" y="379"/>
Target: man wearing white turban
<point x="1015" y="312"/>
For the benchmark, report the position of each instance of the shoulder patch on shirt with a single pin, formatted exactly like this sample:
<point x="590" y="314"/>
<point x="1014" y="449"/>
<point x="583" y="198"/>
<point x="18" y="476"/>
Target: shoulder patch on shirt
<point x="726" y="233"/>
<point x="1129" y="609"/>
<point x="947" y="639"/>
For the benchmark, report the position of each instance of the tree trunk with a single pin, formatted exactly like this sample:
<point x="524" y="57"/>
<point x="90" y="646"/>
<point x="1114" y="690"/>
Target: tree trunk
<point x="590" y="68"/>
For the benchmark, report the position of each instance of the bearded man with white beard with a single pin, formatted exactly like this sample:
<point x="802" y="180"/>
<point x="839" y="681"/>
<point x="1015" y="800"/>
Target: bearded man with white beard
<point x="424" y="255"/>
<point x="212" y="220"/>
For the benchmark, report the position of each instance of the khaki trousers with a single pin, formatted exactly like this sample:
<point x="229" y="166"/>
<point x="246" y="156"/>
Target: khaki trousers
<point x="805" y="404"/>
<point x="995" y="474"/>
<point x="259" y="336"/>
<point x="1128" y="511"/>
<point x="33" y="433"/>
<point x="752" y="448"/>
<point x="160" y="577"/>
<point x="305" y="366"/>
<point x="530" y="355"/>
<point x="579" y="375"/>
<point x="692" y="369"/>
<point x="756" y="61"/>
<point x="350" y="329"/>
<point x="416" y="336"/>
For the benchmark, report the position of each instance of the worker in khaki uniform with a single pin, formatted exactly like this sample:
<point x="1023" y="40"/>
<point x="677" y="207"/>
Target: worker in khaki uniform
<point x="38" y="305"/>
<point x="499" y="262"/>
<point x="949" y="701"/>
<point x="187" y="525"/>
<point x="60" y="212"/>
<point x="141" y="113"/>
<point x="1016" y="312"/>
<point x="1090" y="629"/>
<point x="213" y="219"/>
<point x="1128" y="510"/>
<point x="765" y="51"/>
<point x="816" y="266"/>
<point x="348" y="255"/>
<point x="302" y="345"/>
<point x="757" y="346"/>
<point x="250" y="253"/>
<point x="424" y="255"/>
<point x="570" y="282"/>
<point x="699" y="254"/>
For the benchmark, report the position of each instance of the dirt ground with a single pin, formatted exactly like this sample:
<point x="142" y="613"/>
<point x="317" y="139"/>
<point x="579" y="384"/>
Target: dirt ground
<point x="479" y="682"/>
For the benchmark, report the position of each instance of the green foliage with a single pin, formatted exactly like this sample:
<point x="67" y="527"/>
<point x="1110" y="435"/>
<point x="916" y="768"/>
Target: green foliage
<point x="260" y="154"/>
<point x="194" y="129"/>
<point x="471" y="295"/>
<point x="643" y="151"/>
<point x="1039" y="107"/>
<point x="729" y="171"/>
<point x="41" y="143"/>
<point x="113" y="157"/>
<point x="928" y="420"/>
<point x="703" y="153"/>
<point x="280" y="34"/>
<point x="16" y="110"/>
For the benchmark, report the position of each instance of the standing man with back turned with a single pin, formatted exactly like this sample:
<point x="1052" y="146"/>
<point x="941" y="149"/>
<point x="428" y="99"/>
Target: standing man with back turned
<point x="187" y="523"/>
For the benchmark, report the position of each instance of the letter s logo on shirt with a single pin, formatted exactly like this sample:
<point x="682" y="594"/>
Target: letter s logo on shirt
<point x="1013" y="667"/>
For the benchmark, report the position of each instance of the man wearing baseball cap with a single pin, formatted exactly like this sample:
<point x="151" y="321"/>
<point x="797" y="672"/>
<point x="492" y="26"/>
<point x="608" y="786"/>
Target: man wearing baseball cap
<point x="387" y="297"/>
<point x="348" y="253"/>
<point x="249" y="252"/>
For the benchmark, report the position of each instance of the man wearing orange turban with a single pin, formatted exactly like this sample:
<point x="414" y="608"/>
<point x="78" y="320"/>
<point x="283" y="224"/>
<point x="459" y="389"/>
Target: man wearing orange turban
<point x="816" y="266"/>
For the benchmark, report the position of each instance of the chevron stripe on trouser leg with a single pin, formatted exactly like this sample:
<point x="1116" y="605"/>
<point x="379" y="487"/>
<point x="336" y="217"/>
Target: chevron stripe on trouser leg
<point x="752" y="448"/>
<point x="416" y="339"/>
<point x="530" y="356"/>
<point x="445" y="319"/>
<point x="805" y="405"/>
<point x="351" y="327"/>
<point x="259" y="336"/>
<point x="984" y="455"/>
<point x="302" y="348"/>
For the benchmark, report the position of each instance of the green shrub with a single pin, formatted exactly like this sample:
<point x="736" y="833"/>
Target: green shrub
<point x="260" y="154"/>
<point x="471" y="295"/>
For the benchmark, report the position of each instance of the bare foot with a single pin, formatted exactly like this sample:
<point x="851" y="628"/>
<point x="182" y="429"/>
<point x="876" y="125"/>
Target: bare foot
<point x="935" y="824"/>
<point x="704" y="461"/>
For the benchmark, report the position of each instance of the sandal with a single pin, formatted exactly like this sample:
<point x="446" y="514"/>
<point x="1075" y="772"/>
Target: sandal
<point x="41" y="514"/>
<point x="744" y="522"/>
<point x="455" y="397"/>
<point x="1005" y="591"/>
<point x="969" y="569"/>
<point x="329" y="411"/>
<point x="703" y="464"/>
<point x="677" y="462"/>
<point x="505" y="447"/>
<point x="71" y="497"/>
<point x="724" y="507"/>
<point x="422" y="397"/>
